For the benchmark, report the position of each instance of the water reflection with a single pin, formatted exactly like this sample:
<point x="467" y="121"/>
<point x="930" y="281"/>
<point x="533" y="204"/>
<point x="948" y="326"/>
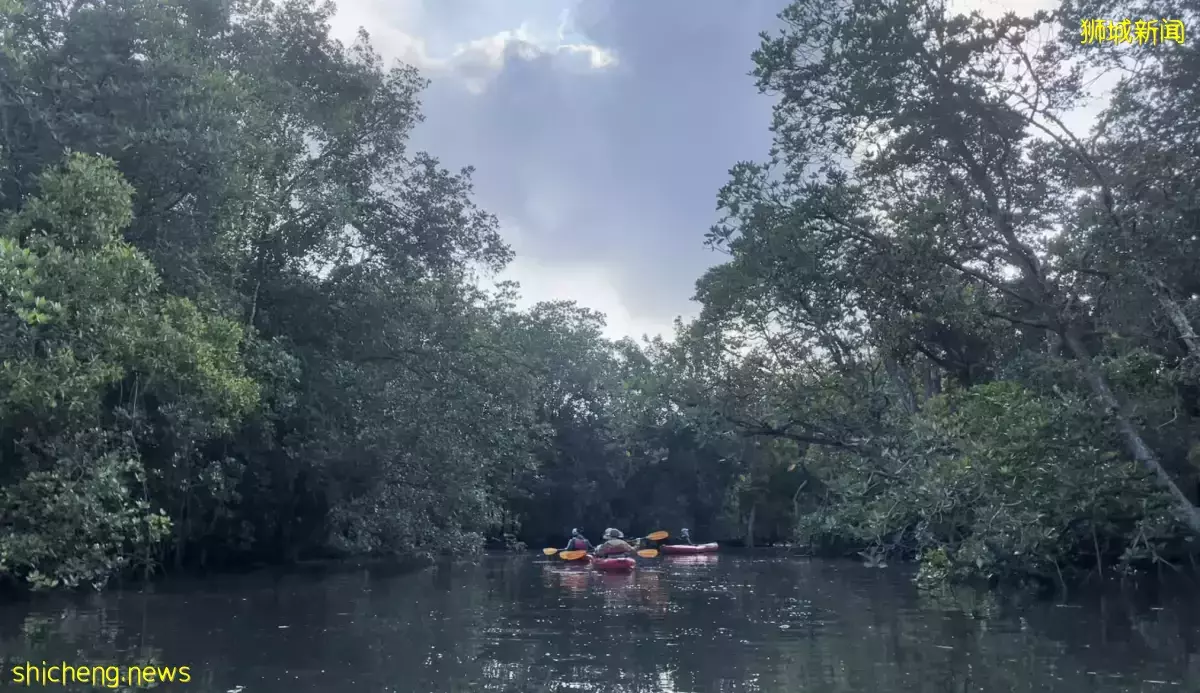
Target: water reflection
<point x="693" y="623"/>
<point x="698" y="559"/>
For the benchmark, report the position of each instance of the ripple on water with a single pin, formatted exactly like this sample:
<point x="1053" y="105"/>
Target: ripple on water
<point x="513" y="624"/>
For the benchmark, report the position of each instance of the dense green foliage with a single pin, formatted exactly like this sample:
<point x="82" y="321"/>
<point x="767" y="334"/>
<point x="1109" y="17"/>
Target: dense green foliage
<point x="242" y="322"/>
<point x="977" y="321"/>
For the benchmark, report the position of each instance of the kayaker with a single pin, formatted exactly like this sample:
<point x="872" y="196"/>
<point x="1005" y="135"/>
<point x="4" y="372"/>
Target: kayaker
<point x="645" y="543"/>
<point x="685" y="538"/>
<point x="578" y="542"/>
<point x="614" y="544"/>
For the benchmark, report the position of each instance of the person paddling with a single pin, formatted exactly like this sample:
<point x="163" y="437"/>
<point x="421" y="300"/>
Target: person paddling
<point x="685" y="538"/>
<point x="578" y="542"/>
<point x="614" y="545"/>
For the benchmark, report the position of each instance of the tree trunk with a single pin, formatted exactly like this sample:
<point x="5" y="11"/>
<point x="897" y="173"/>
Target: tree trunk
<point x="902" y="383"/>
<point x="1054" y="343"/>
<point x="1175" y="314"/>
<point x="750" y="526"/>
<point x="796" y="504"/>
<point x="933" y="381"/>
<point x="1134" y="443"/>
<point x="181" y="534"/>
<point x="1043" y="292"/>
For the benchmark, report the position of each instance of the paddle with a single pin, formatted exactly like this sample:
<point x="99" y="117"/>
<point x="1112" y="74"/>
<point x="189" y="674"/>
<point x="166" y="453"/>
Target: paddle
<point x="549" y="552"/>
<point x="571" y="555"/>
<point x="653" y="536"/>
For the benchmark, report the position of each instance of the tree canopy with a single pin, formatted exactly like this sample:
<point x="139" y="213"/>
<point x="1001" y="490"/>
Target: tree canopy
<point x="242" y="320"/>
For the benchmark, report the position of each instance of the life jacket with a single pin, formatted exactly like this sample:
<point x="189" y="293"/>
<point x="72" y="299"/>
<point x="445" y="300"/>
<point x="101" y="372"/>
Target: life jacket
<point x="577" y="544"/>
<point x="613" y="547"/>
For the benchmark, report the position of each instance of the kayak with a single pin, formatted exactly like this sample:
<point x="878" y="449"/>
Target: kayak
<point x="684" y="549"/>
<point x="614" y="565"/>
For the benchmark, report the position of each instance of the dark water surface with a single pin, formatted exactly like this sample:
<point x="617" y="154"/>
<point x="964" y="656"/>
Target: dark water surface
<point x="701" y="624"/>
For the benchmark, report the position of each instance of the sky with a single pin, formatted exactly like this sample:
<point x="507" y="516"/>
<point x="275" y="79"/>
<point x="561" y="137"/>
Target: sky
<point x="600" y="131"/>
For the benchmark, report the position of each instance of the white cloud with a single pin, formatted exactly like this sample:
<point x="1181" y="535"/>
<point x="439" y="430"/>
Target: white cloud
<point x="477" y="61"/>
<point x="406" y="31"/>
<point x="589" y="286"/>
<point x="473" y="48"/>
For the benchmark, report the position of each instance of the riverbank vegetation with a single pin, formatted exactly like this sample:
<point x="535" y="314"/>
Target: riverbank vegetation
<point x="242" y="322"/>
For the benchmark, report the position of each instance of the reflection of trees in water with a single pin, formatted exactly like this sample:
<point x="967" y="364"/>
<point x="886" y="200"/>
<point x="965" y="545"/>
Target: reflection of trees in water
<point x="343" y="632"/>
<point x="68" y="632"/>
<point x="788" y="626"/>
<point x="1128" y="624"/>
<point x="514" y="625"/>
<point x="875" y="635"/>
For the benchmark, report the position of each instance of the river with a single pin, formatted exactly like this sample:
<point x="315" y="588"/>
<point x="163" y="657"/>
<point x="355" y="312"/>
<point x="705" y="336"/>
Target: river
<point x="748" y="622"/>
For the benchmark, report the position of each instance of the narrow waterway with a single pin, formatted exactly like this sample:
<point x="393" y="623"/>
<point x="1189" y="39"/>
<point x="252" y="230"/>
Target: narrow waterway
<point x="527" y="623"/>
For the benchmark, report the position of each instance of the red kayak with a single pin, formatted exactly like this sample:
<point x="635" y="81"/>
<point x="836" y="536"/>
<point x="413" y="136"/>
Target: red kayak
<point x="614" y="565"/>
<point x="687" y="549"/>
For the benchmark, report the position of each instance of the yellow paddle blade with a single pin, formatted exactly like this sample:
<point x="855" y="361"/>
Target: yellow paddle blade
<point x="549" y="552"/>
<point x="658" y="536"/>
<point x="571" y="555"/>
<point x="648" y="553"/>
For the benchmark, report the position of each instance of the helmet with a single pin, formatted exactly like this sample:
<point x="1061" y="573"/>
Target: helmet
<point x="684" y="530"/>
<point x="612" y="533"/>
